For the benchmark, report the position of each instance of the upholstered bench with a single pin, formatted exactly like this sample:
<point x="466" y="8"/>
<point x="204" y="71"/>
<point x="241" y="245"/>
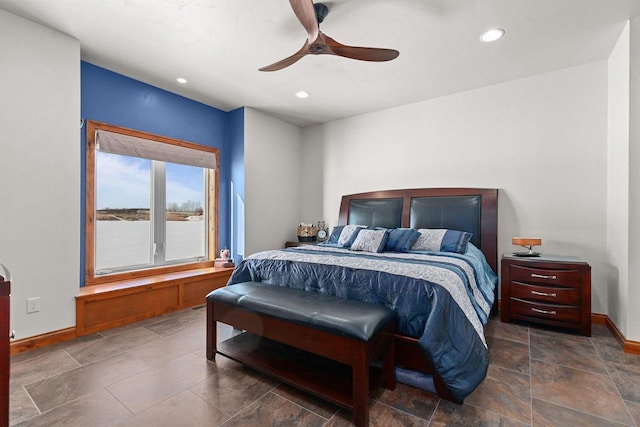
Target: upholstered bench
<point x="297" y="337"/>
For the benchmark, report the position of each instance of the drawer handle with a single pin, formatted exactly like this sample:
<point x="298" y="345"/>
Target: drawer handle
<point x="543" y="311"/>
<point x="544" y="294"/>
<point x="541" y="276"/>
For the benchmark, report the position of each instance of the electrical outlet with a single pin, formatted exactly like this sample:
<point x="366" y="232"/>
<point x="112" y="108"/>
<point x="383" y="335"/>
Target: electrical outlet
<point x="33" y="304"/>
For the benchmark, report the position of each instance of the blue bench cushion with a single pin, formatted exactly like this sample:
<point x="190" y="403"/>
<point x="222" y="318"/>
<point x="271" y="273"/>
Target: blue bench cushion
<point x="340" y="316"/>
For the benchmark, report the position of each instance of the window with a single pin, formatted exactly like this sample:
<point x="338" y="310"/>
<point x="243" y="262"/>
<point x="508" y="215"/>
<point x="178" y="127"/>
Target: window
<point x="150" y="205"/>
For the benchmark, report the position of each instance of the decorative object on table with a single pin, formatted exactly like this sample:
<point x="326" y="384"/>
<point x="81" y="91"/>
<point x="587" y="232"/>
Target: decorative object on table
<point x="323" y="232"/>
<point x="526" y="242"/>
<point x="224" y="261"/>
<point x="307" y="232"/>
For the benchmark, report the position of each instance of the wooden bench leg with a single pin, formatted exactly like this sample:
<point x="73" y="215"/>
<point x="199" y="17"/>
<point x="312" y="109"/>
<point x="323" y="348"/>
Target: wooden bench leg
<point x="212" y="333"/>
<point x="360" y="384"/>
<point x="388" y="366"/>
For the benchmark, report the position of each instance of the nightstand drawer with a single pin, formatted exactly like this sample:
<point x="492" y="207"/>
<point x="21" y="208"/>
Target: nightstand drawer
<point x="571" y="278"/>
<point x="561" y="313"/>
<point x="550" y="294"/>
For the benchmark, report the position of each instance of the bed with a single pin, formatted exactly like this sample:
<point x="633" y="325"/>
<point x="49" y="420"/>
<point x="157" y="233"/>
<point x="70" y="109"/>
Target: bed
<point x="441" y="283"/>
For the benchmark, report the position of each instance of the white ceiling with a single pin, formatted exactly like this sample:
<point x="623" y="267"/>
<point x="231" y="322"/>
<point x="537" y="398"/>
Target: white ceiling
<point x="218" y="46"/>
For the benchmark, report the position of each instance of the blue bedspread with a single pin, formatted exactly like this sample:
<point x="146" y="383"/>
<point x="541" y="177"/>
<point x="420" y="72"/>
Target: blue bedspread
<point x="442" y="299"/>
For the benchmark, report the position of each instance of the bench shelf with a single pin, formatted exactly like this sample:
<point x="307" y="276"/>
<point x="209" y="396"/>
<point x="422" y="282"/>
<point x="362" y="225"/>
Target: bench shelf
<point x="316" y="375"/>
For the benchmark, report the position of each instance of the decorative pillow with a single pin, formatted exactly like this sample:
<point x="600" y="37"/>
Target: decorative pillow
<point x="369" y="240"/>
<point x="442" y="240"/>
<point x="335" y="234"/>
<point x="348" y="234"/>
<point x="401" y="239"/>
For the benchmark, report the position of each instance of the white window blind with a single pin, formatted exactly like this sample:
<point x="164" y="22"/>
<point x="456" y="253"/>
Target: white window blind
<point x="118" y="143"/>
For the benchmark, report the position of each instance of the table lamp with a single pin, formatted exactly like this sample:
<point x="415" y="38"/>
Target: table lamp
<point x="528" y="243"/>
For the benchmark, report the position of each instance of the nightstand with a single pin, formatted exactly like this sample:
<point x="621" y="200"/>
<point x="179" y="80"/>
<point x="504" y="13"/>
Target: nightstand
<point x="293" y="244"/>
<point x="549" y="290"/>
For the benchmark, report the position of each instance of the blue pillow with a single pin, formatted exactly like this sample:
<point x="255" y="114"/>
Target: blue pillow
<point x="442" y="240"/>
<point x="401" y="239"/>
<point x="335" y="234"/>
<point x="369" y="240"/>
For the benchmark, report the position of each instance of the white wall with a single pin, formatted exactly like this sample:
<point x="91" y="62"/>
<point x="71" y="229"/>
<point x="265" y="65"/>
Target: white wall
<point x="272" y="153"/>
<point x="39" y="172"/>
<point x="634" y="181"/>
<point x="541" y="140"/>
<point x="618" y="183"/>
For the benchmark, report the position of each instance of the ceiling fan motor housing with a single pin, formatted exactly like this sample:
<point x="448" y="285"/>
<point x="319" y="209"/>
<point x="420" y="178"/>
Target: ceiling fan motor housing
<point x="321" y="11"/>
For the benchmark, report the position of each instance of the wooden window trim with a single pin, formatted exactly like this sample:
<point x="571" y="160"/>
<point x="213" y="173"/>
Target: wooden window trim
<point x="213" y="204"/>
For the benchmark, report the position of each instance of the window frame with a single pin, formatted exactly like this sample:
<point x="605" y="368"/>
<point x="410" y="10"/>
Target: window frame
<point x="90" y="277"/>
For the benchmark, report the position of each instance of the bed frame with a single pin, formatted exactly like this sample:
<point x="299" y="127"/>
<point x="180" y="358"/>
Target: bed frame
<point x="466" y="209"/>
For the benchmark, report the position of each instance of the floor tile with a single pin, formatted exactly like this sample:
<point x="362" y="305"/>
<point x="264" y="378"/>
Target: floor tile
<point x="564" y="333"/>
<point x="179" y="324"/>
<point x="609" y="349"/>
<point x="95" y="410"/>
<point x="380" y="415"/>
<point x="272" y="409"/>
<point x="30" y="354"/>
<point x="504" y="392"/>
<point x="183" y="409"/>
<point x="547" y="414"/>
<point x="39" y="368"/>
<point x="146" y="389"/>
<point x="583" y="391"/>
<point x="21" y="407"/>
<point x="163" y="349"/>
<point x="60" y="389"/>
<point x="626" y="377"/>
<point x="634" y="410"/>
<point x="452" y="414"/>
<point x="566" y="352"/>
<point x="314" y="404"/>
<point x="232" y="387"/>
<point x="507" y="331"/>
<point x="96" y="350"/>
<point x="509" y="354"/>
<point x="411" y="400"/>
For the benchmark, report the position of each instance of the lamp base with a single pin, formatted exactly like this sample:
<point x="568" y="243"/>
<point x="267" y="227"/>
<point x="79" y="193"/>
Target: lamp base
<point x="527" y="254"/>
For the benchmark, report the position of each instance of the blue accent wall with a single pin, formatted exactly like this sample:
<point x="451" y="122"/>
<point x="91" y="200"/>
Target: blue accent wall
<point x="115" y="99"/>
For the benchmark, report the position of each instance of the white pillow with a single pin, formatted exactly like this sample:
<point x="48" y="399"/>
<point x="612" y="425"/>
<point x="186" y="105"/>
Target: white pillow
<point x="348" y="234"/>
<point x="370" y="241"/>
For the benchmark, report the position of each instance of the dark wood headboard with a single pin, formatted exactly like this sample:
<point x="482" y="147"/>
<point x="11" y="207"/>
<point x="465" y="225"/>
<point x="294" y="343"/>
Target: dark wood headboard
<point x="466" y="209"/>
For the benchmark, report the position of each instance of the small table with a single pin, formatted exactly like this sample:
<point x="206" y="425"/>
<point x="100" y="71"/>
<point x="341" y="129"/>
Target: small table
<point x="550" y="290"/>
<point x="293" y="243"/>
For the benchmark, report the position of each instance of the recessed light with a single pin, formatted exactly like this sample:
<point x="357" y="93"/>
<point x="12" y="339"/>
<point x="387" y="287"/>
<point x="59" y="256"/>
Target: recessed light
<point x="181" y="80"/>
<point x="302" y="94"/>
<point x="492" y="35"/>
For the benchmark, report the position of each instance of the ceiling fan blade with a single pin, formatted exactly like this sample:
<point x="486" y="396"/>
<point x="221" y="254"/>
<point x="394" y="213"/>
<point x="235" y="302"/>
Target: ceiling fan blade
<point x="361" y="53"/>
<point x="306" y="14"/>
<point x="287" y="61"/>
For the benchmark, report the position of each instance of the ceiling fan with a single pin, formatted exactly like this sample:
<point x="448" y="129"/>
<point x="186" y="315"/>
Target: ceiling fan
<point x="310" y="16"/>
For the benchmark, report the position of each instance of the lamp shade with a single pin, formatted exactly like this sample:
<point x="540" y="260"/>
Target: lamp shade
<point x="526" y="241"/>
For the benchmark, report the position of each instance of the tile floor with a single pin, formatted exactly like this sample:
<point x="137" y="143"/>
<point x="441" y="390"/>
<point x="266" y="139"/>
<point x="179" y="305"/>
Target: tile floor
<point x="154" y="373"/>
